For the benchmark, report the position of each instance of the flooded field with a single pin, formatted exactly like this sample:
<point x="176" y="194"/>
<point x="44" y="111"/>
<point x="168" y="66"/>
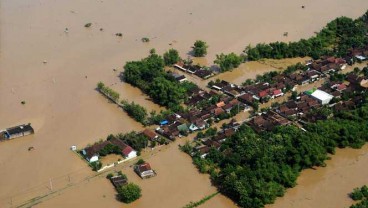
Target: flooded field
<point x="55" y="73"/>
<point x="329" y="187"/>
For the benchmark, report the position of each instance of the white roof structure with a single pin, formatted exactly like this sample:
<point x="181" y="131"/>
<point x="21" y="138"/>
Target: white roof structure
<point x="324" y="97"/>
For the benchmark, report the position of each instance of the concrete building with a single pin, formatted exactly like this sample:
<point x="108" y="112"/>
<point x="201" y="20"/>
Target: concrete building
<point x="323" y="97"/>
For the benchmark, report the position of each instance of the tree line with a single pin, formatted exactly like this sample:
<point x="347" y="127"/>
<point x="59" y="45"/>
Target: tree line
<point x="335" y="39"/>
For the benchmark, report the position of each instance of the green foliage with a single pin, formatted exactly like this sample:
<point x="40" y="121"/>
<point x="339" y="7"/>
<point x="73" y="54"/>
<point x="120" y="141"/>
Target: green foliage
<point x="96" y="165"/>
<point x="357" y="194"/>
<point x="135" y="140"/>
<point x="140" y="162"/>
<point x="110" y="175"/>
<point x="360" y="194"/>
<point x="187" y="148"/>
<point x="136" y="111"/>
<point x="129" y="193"/>
<point x="171" y="57"/>
<point x="200" y="48"/>
<point x="228" y="62"/>
<point x="109" y="149"/>
<point x="335" y="39"/>
<point x="108" y="92"/>
<point x="149" y="75"/>
<point x="200" y="202"/>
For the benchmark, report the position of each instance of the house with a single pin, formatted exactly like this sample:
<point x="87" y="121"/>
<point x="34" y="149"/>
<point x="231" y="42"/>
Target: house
<point x="277" y="93"/>
<point x="246" y="99"/>
<point x="323" y="97"/>
<point x="18" y="131"/>
<point x="151" y="135"/>
<point x="218" y="111"/>
<point x="119" y="181"/>
<point x="178" y="77"/>
<point x="180" y="65"/>
<point x="203" y="150"/>
<point x="144" y="170"/>
<point x="203" y="73"/>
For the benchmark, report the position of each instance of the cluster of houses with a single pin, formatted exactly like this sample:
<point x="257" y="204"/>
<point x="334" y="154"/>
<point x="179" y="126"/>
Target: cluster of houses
<point x="327" y="65"/>
<point x="202" y="112"/>
<point x="360" y="54"/>
<point x="194" y="69"/>
<point x="205" y="144"/>
<point x="15" y="132"/>
<point x="300" y="108"/>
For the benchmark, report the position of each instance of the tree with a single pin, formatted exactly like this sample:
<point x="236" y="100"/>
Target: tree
<point x="171" y="57"/>
<point x="228" y="62"/>
<point x="200" y="48"/>
<point x="129" y="193"/>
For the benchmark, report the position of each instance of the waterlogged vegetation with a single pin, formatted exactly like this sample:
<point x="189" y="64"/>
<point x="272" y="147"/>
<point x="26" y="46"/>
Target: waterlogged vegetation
<point x="336" y="38"/>
<point x="149" y="75"/>
<point x="129" y="193"/>
<point x="228" y="62"/>
<point x="108" y="92"/>
<point x="361" y="195"/>
<point x="200" y="202"/>
<point x="200" y="48"/>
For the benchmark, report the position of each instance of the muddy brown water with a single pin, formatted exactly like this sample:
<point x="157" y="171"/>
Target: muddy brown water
<point x="65" y="109"/>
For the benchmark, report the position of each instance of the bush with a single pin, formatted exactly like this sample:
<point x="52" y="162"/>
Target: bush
<point x="96" y="165"/>
<point x="171" y="57"/>
<point x="140" y="162"/>
<point x="129" y="193"/>
<point x="109" y="176"/>
<point x="200" y="48"/>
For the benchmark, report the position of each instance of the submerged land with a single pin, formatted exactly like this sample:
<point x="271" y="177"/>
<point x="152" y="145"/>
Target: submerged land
<point x="65" y="109"/>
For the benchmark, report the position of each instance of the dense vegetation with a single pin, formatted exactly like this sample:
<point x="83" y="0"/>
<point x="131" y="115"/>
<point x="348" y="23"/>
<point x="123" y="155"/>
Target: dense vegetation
<point x="360" y="194"/>
<point x="336" y="38"/>
<point x="200" y="48"/>
<point x="135" y="140"/>
<point x="138" y="112"/>
<point x="228" y="62"/>
<point x="148" y="74"/>
<point x="129" y="193"/>
<point x="253" y="169"/>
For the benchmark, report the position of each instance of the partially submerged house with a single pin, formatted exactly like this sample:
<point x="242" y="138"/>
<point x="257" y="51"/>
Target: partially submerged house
<point x="119" y="181"/>
<point x="151" y="135"/>
<point x="17" y="131"/>
<point x="144" y="170"/>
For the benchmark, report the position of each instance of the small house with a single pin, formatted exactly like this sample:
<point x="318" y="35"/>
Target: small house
<point x="119" y="181"/>
<point x="18" y="131"/>
<point x="144" y="170"/>
<point x="151" y="135"/>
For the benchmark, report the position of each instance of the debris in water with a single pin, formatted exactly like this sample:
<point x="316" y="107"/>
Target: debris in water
<point x="303" y="6"/>
<point x="44" y="61"/>
<point x="145" y="40"/>
<point x="88" y="25"/>
<point x="119" y="34"/>
<point x="30" y="148"/>
<point x="66" y="30"/>
<point x="101" y="29"/>
<point x="23" y="102"/>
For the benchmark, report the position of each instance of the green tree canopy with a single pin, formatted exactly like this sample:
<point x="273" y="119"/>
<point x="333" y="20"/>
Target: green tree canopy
<point x="200" y="48"/>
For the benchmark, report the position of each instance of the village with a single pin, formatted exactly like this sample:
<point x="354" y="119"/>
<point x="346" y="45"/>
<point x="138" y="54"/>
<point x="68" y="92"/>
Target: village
<point x="269" y="101"/>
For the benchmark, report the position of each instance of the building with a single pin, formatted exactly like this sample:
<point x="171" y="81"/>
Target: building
<point x="119" y="181"/>
<point x="323" y="97"/>
<point x="18" y="131"/>
<point x="144" y="170"/>
<point x="151" y="135"/>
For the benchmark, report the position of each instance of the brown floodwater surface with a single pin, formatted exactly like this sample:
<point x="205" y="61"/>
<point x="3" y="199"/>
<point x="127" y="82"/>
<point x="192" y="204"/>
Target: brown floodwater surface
<point x="329" y="186"/>
<point x="55" y="73"/>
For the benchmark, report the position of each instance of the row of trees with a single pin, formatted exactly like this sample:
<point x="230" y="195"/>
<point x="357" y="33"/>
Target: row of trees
<point x="336" y="38"/>
<point x="136" y="140"/>
<point x="253" y="169"/>
<point x="108" y="92"/>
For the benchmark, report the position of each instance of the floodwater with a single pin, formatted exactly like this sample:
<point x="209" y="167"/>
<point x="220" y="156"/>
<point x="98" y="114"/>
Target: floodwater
<point x="55" y="73"/>
<point x="329" y="186"/>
